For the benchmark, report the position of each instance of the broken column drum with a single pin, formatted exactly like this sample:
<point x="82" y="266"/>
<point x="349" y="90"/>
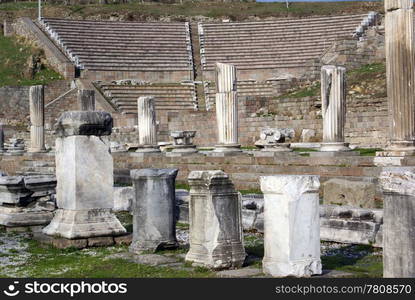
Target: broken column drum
<point x="154" y="224"/>
<point x="333" y="97"/>
<point x="147" y="127"/>
<point x="37" y="119"/>
<point x="291" y="225"/>
<point x="86" y="98"/>
<point x="398" y="187"/>
<point x="400" y="80"/>
<point x="226" y="108"/>
<point x="216" y="237"/>
<point x="183" y="141"/>
<point x="84" y="171"/>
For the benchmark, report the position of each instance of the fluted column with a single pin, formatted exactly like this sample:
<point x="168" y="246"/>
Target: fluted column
<point x="86" y="98"/>
<point x="400" y="61"/>
<point x="226" y="108"/>
<point x="37" y="119"/>
<point x="147" y="128"/>
<point x="333" y="97"/>
<point x="1" y="138"/>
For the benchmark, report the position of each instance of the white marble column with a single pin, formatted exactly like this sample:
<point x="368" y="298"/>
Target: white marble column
<point x="86" y="98"/>
<point x="216" y="237"/>
<point x="400" y="72"/>
<point x="291" y="225"/>
<point x="333" y="98"/>
<point x="147" y="127"/>
<point x="226" y="108"/>
<point x="37" y="119"/>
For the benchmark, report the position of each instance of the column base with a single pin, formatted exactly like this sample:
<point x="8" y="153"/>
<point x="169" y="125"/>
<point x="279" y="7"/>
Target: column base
<point x="300" y="268"/>
<point x="224" y="257"/>
<point x="75" y="224"/>
<point x="227" y="148"/>
<point x="148" y="149"/>
<point x="334" y="147"/>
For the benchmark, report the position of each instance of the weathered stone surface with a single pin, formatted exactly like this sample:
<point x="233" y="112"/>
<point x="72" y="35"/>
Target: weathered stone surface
<point x="216" y="239"/>
<point x="18" y="216"/>
<point x="153" y="209"/>
<point x="333" y="96"/>
<point x="101" y="241"/>
<point x="399" y="223"/>
<point x="146" y="259"/>
<point x="351" y="225"/>
<point x="86" y="99"/>
<point x="291" y="229"/>
<point x="40" y="185"/>
<point x="123" y="198"/>
<point x="13" y="191"/>
<point x="37" y="119"/>
<point x="273" y="139"/>
<point x="97" y="123"/>
<point x="123" y="239"/>
<point x="353" y="193"/>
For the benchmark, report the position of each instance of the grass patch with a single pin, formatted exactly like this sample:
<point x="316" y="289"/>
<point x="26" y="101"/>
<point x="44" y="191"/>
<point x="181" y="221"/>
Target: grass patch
<point x="13" y="58"/>
<point x="235" y="11"/>
<point x="304" y="150"/>
<point x="368" y="151"/>
<point x="182" y="186"/>
<point x="250" y="191"/>
<point x="308" y="91"/>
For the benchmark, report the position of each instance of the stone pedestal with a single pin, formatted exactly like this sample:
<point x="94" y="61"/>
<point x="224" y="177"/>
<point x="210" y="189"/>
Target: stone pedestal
<point x="291" y="225"/>
<point x="226" y="108"/>
<point x="147" y="128"/>
<point x="154" y="224"/>
<point x="84" y="171"/>
<point x="86" y="99"/>
<point x="398" y="185"/>
<point x="333" y="97"/>
<point x="2" y="139"/>
<point x="183" y="141"/>
<point x="216" y="238"/>
<point x="37" y="119"/>
<point x="400" y="76"/>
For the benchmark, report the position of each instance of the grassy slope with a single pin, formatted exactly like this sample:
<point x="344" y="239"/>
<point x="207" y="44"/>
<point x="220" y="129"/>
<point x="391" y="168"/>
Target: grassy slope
<point x="13" y="57"/>
<point x="234" y="11"/>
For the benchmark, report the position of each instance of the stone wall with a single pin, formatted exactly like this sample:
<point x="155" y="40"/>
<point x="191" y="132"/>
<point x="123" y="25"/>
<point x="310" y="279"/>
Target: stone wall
<point x="365" y="119"/>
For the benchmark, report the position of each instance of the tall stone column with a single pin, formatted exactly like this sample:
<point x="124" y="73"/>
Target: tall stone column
<point x="226" y="108"/>
<point x="37" y="119"/>
<point x="147" y="127"/>
<point x="398" y="185"/>
<point x="400" y="72"/>
<point x="85" y="177"/>
<point x="1" y="138"/>
<point x="291" y="225"/>
<point x="86" y="98"/>
<point x="154" y="223"/>
<point x="333" y="97"/>
<point x="216" y="238"/>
